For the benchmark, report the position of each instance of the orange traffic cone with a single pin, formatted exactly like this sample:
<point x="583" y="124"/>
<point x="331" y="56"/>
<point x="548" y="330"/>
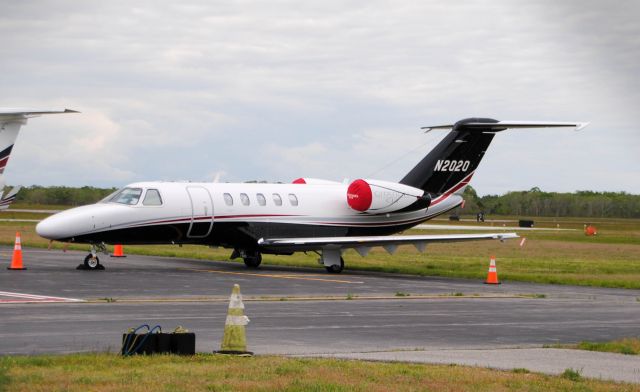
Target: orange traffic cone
<point x="117" y="251"/>
<point x="16" y="260"/>
<point x="492" y="276"/>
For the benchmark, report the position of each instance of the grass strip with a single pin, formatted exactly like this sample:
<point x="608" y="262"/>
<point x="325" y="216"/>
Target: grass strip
<point x="627" y="346"/>
<point x="207" y="372"/>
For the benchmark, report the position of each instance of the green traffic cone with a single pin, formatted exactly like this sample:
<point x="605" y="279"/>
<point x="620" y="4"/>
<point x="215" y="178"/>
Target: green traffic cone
<point x="234" y="340"/>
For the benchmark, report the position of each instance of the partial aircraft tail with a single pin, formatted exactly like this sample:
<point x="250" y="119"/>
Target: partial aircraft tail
<point x="448" y="168"/>
<point x="11" y="119"/>
<point x="6" y="201"/>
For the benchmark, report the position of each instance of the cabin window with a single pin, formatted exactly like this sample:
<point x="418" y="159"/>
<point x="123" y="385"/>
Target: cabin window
<point x="128" y="196"/>
<point x="293" y="199"/>
<point x="277" y="199"/>
<point x="261" y="199"/>
<point x="228" y="199"/>
<point x="244" y="199"/>
<point x="152" y="198"/>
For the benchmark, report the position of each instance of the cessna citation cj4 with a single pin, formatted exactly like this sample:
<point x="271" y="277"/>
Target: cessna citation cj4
<point x="322" y="216"/>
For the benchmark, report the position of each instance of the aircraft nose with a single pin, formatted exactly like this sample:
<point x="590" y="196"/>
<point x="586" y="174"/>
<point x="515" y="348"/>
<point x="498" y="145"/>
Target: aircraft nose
<point x="47" y="228"/>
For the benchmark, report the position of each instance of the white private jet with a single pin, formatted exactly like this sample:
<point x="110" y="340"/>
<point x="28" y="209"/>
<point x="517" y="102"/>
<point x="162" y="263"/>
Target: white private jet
<point x="11" y="120"/>
<point x="323" y="216"/>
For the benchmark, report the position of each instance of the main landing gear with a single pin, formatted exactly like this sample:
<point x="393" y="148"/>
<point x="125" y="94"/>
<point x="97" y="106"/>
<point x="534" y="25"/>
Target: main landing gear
<point x="252" y="259"/>
<point x="335" y="268"/>
<point x="91" y="261"/>
<point x="332" y="260"/>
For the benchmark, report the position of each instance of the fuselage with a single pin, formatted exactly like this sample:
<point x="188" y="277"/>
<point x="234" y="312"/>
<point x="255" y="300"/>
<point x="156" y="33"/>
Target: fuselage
<point x="233" y="215"/>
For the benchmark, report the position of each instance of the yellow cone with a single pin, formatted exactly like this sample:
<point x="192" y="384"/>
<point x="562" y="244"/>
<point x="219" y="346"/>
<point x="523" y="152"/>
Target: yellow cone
<point x="234" y="340"/>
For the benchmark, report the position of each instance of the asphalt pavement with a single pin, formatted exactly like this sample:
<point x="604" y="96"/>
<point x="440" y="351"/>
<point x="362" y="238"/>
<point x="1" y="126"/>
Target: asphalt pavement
<point x="54" y="308"/>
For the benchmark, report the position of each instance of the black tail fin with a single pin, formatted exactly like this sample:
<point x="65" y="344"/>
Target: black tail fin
<point x="453" y="161"/>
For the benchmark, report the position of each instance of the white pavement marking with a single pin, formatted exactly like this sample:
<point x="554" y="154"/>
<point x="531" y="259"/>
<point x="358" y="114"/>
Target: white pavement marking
<point x="20" y="298"/>
<point x="591" y="364"/>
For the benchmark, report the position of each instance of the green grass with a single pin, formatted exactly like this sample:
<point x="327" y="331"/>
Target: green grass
<point x="571" y="374"/>
<point x="628" y="346"/>
<point x="29" y="206"/>
<point x="610" y="259"/>
<point x="402" y="294"/>
<point x="108" y="372"/>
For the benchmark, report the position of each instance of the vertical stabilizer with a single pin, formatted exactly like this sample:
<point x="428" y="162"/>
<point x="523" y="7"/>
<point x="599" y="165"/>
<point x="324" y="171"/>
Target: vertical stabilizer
<point x="451" y="164"/>
<point x="448" y="168"/>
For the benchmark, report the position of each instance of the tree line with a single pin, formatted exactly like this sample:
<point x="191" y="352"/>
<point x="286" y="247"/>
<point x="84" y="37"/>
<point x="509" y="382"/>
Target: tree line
<point x="533" y="202"/>
<point x="62" y="195"/>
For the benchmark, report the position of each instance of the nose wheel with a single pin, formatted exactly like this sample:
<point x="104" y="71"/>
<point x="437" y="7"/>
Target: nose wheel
<point x="91" y="261"/>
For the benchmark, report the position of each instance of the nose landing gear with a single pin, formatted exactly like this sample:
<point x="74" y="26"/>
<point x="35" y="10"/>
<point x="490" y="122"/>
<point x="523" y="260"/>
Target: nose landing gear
<point x="91" y="261"/>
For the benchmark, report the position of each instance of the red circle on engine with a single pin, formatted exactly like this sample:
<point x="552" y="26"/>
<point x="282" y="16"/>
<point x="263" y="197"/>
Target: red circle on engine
<point x="359" y="195"/>
<point x="299" y="181"/>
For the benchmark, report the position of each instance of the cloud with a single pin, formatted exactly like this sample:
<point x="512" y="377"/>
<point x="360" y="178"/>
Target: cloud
<point x="286" y="89"/>
<point x="84" y="147"/>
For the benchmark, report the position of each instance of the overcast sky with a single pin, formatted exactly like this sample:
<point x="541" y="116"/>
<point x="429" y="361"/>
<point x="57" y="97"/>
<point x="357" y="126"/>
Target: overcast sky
<point x="277" y="90"/>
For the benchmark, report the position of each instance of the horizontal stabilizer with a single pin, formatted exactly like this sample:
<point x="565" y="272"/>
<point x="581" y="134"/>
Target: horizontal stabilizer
<point x="30" y="112"/>
<point x="503" y="125"/>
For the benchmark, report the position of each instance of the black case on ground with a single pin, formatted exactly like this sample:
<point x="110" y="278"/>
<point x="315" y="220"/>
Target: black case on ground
<point x="159" y="343"/>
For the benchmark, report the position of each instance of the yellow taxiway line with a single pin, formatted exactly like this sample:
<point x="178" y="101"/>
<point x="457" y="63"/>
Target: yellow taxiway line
<point x="275" y="276"/>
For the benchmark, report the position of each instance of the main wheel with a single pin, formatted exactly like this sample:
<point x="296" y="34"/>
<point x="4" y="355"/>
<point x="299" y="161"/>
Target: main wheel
<point x="253" y="261"/>
<point x="336" y="269"/>
<point x="91" y="262"/>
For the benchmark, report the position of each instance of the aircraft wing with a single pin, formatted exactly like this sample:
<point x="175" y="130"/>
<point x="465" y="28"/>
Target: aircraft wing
<point x="364" y="243"/>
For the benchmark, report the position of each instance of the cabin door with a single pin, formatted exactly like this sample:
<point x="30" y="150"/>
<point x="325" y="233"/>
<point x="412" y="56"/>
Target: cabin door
<point x="201" y="212"/>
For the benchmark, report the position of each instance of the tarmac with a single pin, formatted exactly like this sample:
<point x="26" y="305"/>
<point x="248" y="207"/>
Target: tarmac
<point x="54" y="308"/>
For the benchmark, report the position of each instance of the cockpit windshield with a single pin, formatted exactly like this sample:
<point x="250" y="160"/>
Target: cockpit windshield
<point x="128" y="196"/>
